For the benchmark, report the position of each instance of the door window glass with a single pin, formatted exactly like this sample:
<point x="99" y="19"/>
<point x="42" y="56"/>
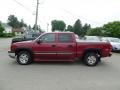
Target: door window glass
<point x="48" y="38"/>
<point x="65" y="38"/>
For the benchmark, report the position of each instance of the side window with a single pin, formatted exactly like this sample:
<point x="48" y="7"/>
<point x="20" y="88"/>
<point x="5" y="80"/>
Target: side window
<point x="65" y="38"/>
<point x="48" y="38"/>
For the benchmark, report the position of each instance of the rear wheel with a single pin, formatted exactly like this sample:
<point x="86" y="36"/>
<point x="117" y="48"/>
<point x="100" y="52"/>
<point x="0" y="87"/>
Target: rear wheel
<point x="24" y="58"/>
<point x="91" y="59"/>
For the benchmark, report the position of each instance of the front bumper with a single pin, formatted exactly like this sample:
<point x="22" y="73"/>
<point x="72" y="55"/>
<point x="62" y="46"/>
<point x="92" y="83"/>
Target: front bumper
<point x="11" y="54"/>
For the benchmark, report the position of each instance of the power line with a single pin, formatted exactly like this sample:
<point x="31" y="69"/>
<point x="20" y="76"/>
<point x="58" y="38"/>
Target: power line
<point x="23" y="6"/>
<point x="74" y="15"/>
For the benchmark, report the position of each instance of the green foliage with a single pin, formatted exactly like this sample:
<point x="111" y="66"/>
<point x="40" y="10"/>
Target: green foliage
<point x="78" y="28"/>
<point x="69" y="28"/>
<point x="112" y="29"/>
<point x="95" y="31"/>
<point x="85" y="28"/>
<point x="1" y="30"/>
<point x="38" y="28"/>
<point x="58" y="25"/>
<point x="22" y="24"/>
<point x="14" y="23"/>
<point x="9" y="34"/>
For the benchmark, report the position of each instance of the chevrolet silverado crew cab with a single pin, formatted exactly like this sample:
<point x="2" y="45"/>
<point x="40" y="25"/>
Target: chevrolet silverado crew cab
<point x="59" y="46"/>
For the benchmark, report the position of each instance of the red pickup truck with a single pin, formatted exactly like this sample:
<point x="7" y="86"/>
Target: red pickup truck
<point x="59" y="46"/>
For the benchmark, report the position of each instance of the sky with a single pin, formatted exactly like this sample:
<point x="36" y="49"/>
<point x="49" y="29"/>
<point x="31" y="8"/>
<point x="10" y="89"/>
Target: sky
<point x="94" y="12"/>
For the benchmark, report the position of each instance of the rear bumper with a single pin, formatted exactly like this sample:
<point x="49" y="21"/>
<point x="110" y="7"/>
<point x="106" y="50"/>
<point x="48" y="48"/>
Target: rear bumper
<point x="11" y="54"/>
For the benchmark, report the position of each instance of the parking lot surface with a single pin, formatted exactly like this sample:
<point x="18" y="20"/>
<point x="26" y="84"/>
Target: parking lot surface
<point x="58" y="75"/>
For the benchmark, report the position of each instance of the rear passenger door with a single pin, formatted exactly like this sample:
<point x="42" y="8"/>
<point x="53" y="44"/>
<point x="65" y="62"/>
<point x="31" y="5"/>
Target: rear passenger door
<point x="65" y="46"/>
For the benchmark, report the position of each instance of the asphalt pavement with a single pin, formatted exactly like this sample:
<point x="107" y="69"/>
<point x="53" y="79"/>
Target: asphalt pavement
<point x="58" y="75"/>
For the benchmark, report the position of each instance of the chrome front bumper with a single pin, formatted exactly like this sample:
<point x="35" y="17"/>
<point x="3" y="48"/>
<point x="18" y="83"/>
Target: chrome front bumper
<point x="11" y="54"/>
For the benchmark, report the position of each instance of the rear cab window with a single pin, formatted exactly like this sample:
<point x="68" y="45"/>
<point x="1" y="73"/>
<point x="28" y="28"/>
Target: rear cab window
<point x="65" y="38"/>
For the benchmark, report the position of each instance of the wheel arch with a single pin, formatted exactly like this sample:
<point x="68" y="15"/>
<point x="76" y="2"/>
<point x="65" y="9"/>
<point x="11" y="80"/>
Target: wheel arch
<point x="95" y="50"/>
<point x="24" y="49"/>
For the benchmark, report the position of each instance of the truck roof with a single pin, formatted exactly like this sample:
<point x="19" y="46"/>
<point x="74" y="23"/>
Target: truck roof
<point x="60" y="32"/>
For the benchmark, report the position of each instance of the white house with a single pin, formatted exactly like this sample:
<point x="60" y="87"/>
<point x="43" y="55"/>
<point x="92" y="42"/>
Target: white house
<point x="8" y="29"/>
<point x="17" y="31"/>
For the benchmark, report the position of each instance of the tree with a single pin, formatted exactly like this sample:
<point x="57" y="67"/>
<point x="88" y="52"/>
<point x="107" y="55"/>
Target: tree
<point x="1" y="30"/>
<point x="112" y="29"/>
<point x="38" y="28"/>
<point x="58" y="25"/>
<point x="85" y="28"/>
<point x="95" y="31"/>
<point x="15" y="23"/>
<point x="78" y="28"/>
<point x="22" y="24"/>
<point x="69" y="28"/>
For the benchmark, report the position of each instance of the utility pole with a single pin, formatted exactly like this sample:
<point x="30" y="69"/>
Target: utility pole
<point x="47" y="26"/>
<point x="36" y="18"/>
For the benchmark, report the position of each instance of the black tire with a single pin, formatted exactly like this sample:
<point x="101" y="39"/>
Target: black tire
<point x="91" y="59"/>
<point x="99" y="58"/>
<point x="24" y="58"/>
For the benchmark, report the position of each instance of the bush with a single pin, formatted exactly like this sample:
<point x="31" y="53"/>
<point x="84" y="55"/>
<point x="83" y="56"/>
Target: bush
<point x="2" y="34"/>
<point x="7" y="34"/>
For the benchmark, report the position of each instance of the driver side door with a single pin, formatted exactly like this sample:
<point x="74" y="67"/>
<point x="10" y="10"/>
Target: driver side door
<point x="46" y="49"/>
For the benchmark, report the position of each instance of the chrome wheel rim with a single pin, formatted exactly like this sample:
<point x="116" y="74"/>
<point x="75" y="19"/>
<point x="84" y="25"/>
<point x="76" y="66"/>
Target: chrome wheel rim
<point x="91" y="60"/>
<point x="23" y="58"/>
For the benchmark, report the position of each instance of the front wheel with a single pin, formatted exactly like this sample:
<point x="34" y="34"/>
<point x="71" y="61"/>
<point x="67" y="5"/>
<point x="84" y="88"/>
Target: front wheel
<point x="24" y="58"/>
<point x="91" y="59"/>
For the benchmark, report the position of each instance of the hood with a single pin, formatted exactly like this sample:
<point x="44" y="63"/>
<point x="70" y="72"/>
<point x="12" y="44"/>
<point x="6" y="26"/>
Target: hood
<point x="115" y="43"/>
<point x="23" y="44"/>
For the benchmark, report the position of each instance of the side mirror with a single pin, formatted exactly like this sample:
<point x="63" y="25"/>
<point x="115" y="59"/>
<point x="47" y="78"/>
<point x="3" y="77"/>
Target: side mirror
<point x="39" y="41"/>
